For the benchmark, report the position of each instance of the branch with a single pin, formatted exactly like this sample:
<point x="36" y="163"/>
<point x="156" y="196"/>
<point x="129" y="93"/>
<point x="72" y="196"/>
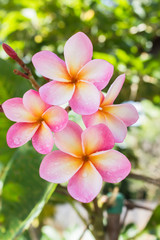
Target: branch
<point x="131" y="205"/>
<point x="145" y="178"/>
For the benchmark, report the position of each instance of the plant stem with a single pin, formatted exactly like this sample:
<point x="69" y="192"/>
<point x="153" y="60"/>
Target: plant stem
<point x="80" y="216"/>
<point x="27" y="72"/>
<point x="68" y="109"/>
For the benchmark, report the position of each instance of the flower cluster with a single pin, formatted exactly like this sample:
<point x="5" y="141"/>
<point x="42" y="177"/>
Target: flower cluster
<point x="84" y="158"/>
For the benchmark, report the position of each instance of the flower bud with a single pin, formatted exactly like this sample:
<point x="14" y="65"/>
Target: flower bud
<point x="10" y="52"/>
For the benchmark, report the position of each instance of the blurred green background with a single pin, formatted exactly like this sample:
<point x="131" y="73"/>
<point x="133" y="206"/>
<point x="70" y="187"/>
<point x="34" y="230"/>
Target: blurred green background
<point x="124" y="32"/>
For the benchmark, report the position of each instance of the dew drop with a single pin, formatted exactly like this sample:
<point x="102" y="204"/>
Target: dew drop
<point x="84" y="175"/>
<point x="119" y="179"/>
<point x="17" y="141"/>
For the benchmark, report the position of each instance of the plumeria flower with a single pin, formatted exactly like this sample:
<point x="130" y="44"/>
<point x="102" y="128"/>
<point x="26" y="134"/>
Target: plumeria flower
<point x="76" y="80"/>
<point x="35" y="120"/>
<point x="85" y="159"/>
<point x="116" y="116"/>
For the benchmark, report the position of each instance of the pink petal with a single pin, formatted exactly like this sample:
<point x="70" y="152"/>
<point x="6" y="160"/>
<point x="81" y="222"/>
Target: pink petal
<point x="15" y="111"/>
<point x="126" y="112"/>
<point x="43" y="139"/>
<point x="78" y="51"/>
<point x="59" y="167"/>
<point x="57" y="93"/>
<point x="85" y="185"/>
<point x="51" y="66"/>
<point x="69" y="139"/>
<point x="56" y="118"/>
<point x="112" y="165"/>
<point x="97" y="138"/>
<point x="86" y="98"/>
<point x="114" y="90"/>
<point x="34" y="104"/>
<point x="98" y="72"/>
<point x="20" y="133"/>
<point x="93" y="119"/>
<point x="117" y="127"/>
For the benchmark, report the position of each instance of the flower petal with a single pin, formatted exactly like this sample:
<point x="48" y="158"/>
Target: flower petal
<point x="20" y="133"/>
<point x="117" y="127"/>
<point x="56" y="93"/>
<point x="93" y="119"/>
<point x="97" y="138"/>
<point x="56" y="118"/>
<point x="43" y="139"/>
<point x="112" y="165"/>
<point x="126" y="112"/>
<point x="114" y="90"/>
<point x="51" y="66"/>
<point x="34" y="104"/>
<point x="69" y="139"/>
<point x="15" y="111"/>
<point x="78" y="51"/>
<point x="85" y="185"/>
<point x="59" y="167"/>
<point x="86" y="98"/>
<point x="97" y="71"/>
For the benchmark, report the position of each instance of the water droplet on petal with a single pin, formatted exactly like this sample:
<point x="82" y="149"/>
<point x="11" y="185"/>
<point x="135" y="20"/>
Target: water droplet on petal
<point x="84" y="175"/>
<point x="17" y="141"/>
<point x="119" y="179"/>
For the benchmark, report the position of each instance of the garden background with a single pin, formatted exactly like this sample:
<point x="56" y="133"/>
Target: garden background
<point x="125" y="33"/>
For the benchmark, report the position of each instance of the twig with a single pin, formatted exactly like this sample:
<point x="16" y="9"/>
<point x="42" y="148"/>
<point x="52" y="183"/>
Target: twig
<point x="17" y="72"/>
<point x="84" y="231"/>
<point x="124" y="218"/>
<point x="145" y="178"/>
<point x="129" y="206"/>
<point x="27" y="72"/>
<point x="80" y="216"/>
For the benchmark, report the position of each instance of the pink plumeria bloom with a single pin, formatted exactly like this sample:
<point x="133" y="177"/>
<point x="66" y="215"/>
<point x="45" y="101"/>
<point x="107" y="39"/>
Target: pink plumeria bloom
<point x="116" y="116"/>
<point x="76" y="80"/>
<point x="35" y="119"/>
<point x="85" y="159"/>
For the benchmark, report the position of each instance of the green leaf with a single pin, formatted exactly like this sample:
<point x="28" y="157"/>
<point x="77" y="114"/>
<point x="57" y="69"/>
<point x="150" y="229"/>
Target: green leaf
<point x="152" y="226"/>
<point x="110" y="58"/>
<point x="10" y="86"/>
<point x="24" y="193"/>
<point x="154" y="220"/>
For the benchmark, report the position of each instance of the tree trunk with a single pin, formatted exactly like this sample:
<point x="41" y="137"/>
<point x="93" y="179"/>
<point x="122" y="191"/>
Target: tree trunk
<point x="113" y="227"/>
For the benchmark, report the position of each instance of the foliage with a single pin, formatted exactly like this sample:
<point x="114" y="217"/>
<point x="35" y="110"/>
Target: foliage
<point x="23" y="195"/>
